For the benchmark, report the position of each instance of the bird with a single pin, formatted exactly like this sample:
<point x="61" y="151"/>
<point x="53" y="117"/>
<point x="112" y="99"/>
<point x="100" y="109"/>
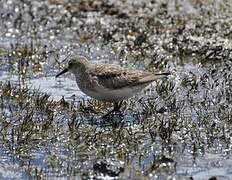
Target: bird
<point x="109" y="82"/>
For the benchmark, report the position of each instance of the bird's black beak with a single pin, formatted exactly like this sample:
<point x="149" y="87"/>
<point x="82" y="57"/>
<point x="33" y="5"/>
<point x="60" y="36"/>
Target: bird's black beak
<point x="62" y="72"/>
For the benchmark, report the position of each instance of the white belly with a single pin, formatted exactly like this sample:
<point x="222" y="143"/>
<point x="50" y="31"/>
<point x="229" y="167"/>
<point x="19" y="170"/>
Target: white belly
<point x="114" y="95"/>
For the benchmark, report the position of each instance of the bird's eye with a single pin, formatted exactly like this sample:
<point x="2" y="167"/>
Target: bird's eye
<point x="70" y="64"/>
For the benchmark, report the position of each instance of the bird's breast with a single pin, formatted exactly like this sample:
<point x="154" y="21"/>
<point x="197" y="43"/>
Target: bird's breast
<point x="112" y="95"/>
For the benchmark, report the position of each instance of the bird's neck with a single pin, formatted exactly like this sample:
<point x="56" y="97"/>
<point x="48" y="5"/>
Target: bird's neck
<point x="83" y="81"/>
<point x="81" y="71"/>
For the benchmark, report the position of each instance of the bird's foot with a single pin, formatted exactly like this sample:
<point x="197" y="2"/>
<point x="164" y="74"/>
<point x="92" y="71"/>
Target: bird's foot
<point x="108" y="114"/>
<point x="111" y="114"/>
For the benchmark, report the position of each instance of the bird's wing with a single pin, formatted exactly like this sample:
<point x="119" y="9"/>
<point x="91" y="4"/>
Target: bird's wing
<point x="115" y="77"/>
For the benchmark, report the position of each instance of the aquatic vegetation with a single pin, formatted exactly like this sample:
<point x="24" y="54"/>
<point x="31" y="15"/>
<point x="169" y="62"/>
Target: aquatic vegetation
<point x="179" y="127"/>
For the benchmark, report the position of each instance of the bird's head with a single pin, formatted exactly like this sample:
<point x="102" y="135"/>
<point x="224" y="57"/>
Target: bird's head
<point x="76" y="65"/>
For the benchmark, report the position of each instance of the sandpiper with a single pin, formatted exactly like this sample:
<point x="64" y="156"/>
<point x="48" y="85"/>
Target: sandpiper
<point x="109" y="82"/>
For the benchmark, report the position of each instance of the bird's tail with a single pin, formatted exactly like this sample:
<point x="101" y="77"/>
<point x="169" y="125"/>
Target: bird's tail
<point x="152" y="77"/>
<point x="162" y="74"/>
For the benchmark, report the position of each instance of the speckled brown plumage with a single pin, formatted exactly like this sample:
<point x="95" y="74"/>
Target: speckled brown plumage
<point x="108" y="82"/>
<point x="115" y="77"/>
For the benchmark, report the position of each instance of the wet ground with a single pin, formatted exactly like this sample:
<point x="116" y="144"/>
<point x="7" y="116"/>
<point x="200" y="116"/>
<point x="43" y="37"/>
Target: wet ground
<point x="178" y="128"/>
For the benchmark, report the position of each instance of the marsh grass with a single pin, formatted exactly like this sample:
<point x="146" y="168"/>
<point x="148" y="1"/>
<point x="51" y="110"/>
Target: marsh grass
<point x="178" y="127"/>
<point x="32" y="123"/>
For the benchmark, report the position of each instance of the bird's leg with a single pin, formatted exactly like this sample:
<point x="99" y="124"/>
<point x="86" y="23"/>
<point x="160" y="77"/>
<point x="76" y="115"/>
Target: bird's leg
<point x="107" y="114"/>
<point x="116" y="108"/>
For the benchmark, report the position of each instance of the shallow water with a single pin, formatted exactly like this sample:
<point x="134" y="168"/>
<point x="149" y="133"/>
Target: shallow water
<point x="179" y="127"/>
